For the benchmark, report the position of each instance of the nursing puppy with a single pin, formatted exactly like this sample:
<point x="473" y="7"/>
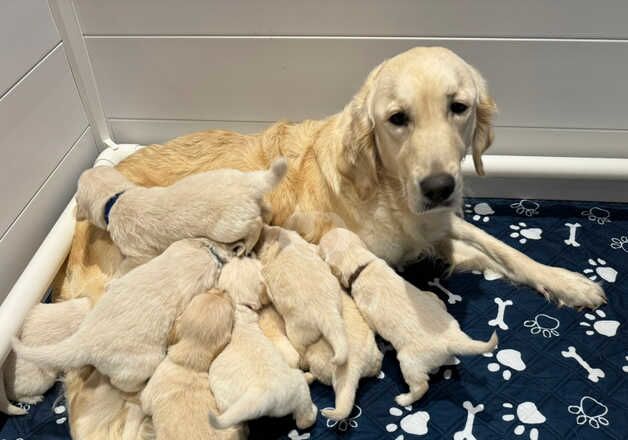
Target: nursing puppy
<point x="177" y="396"/>
<point x="224" y="205"/>
<point x="274" y="328"/>
<point x="364" y="360"/>
<point x="303" y="290"/>
<point x="424" y="335"/>
<point x="250" y="379"/>
<point x="125" y="334"/>
<point x="24" y="381"/>
<point x="242" y="279"/>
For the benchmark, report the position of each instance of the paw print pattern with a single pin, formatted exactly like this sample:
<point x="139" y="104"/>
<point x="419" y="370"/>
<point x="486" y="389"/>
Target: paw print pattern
<point x="625" y="367"/>
<point x="526" y="207"/>
<point x="481" y="212"/>
<point x="598" y="215"/>
<point x="508" y="359"/>
<point x="294" y="435"/>
<point x="604" y="327"/>
<point x="620" y="243"/>
<point x="413" y="423"/>
<point x="590" y="411"/>
<point x="543" y="324"/>
<point x="526" y="414"/>
<point x="523" y="233"/>
<point x="599" y="269"/>
<point x="344" y="425"/>
<point x="60" y="412"/>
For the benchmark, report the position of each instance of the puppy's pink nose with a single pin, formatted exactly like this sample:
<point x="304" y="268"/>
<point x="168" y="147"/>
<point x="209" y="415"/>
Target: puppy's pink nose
<point x="438" y="187"/>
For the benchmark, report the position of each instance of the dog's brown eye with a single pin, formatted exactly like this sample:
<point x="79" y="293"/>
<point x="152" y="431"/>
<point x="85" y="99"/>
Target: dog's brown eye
<point x="400" y="119"/>
<point x="458" y="107"/>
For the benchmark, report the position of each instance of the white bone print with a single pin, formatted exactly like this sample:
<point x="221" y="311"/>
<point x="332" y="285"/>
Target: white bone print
<point x="452" y="298"/>
<point x="594" y="374"/>
<point x="467" y="432"/>
<point x="571" y="241"/>
<point x="501" y="309"/>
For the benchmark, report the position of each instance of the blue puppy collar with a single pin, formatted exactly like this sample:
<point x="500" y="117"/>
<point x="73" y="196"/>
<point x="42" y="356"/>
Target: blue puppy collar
<point x="112" y="201"/>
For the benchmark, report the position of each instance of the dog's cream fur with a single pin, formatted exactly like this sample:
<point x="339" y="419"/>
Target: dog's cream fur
<point x="364" y="360"/>
<point x="355" y="165"/>
<point x="223" y="205"/>
<point x="45" y="324"/>
<point x="424" y="335"/>
<point x="250" y="379"/>
<point x="274" y="328"/>
<point x="125" y="334"/>
<point x="177" y="396"/>
<point x="303" y="290"/>
<point x="242" y="279"/>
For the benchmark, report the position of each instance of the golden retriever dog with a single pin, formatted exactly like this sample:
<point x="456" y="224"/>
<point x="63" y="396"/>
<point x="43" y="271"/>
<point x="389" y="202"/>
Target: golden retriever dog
<point x="274" y="328"/>
<point x="25" y="381"/>
<point x="177" y="396"/>
<point x="387" y="164"/>
<point x="250" y="379"/>
<point x="303" y="290"/>
<point x="242" y="279"/>
<point x="222" y="205"/>
<point x="424" y="335"/>
<point x="111" y="338"/>
<point x="364" y="360"/>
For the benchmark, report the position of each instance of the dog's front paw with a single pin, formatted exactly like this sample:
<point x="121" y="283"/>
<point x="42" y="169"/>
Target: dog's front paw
<point x="31" y="400"/>
<point x="572" y="289"/>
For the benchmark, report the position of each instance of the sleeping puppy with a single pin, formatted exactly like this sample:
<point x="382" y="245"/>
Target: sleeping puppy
<point x="364" y="360"/>
<point x="242" y="279"/>
<point x="424" y="335"/>
<point x="177" y="396"/>
<point x="224" y="205"/>
<point x="125" y="334"/>
<point x="24" y="381"/>
<point x="250" y="379"/>
<point x="274" y="328"/>
<point x="299" y="282"/>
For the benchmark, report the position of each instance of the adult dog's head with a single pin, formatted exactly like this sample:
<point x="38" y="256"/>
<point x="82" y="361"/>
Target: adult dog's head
<point x="414" y="119"/>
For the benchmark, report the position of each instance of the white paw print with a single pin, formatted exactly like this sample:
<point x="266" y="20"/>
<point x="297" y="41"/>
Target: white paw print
<point x="523" y="233"/>
<point x="605" y="327"/>
<point x="294" y="435"/>
<point x="481" y="211"/>
<point x="509" y="359"/>
<point x="414" y="423"/>
<point x="526" y="207"/>
<point x="625" y="367"/>
<point x="59" y="410"/>
<point x="544" y="324"/>
<point x="526" y="413"/>
<point x="345" y="424"/>
<point x="489" y="275"/>
<point x="620" y="243"/>
<point x="600" y="269"/>
<point x="600" y="216"/>
<point x="590" y="411"/>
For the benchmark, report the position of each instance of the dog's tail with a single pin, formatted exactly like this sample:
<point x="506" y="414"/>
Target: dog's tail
<point x="274" y="174"/>
<point x="464" y="345"/>
<point x="333" y="330"/>
<point x="7" y="407"/>
<point x="245" y="408"/>
<point x="62" y="355"/>
<point x="346" y="380"/>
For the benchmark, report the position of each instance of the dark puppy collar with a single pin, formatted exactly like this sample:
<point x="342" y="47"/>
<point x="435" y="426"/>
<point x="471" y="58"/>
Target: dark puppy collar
<point x="355" y="275"/>
<point x="112" y="201"/>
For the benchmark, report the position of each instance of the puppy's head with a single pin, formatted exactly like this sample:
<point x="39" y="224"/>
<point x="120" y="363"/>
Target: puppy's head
<point x="414" y="119"/>
<point x="344" y="252"/>
<point x="243" y="281"/>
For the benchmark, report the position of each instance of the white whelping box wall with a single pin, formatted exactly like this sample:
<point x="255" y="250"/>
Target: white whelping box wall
<point x="168" y="67"/>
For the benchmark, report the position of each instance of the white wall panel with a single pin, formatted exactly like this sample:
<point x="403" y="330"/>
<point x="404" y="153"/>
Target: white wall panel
<point x="533" y="18"/>
<point x="551" y="84"/>
<point x="28" y="33"/>
<point x="26" y="234"/>
<point x="39" y="120"/>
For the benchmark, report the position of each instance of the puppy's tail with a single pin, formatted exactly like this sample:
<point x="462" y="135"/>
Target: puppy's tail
<point x="334" y="331"/>
<point x="464" y="345"/>
<point x="62" y="355"/>
<point x="274" y="174"/>
<point x="345" y="384"/>
<point x="7" y="407"/>
<point x="245" y="408"/>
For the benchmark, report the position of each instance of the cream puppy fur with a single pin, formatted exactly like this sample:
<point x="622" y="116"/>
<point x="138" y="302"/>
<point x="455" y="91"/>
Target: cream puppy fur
<point x="45" y="324"/>
<point x="423" y="333"/>
<point x="125" y="334"/>
<point x="224" y="205"/>
<point x="274" y="328"/>
<point x="242" y="279"/>
<point x="364" y="360"/>
<point x="177" y="396"/>
<point x="303" y="290"/>
<point x="250" y="379"/>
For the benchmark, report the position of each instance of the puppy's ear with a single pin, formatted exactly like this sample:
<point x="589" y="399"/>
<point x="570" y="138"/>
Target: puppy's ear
<point x="357" y="160"/>
<point x="486" y="110"/>
<point x="80" y="211"/>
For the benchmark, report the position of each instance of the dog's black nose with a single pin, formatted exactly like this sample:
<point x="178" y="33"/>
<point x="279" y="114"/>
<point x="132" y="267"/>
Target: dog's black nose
<point x="438" y="187"/>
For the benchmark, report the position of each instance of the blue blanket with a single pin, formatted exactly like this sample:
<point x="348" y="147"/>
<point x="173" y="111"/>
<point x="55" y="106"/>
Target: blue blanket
<point x="528" y="388"/>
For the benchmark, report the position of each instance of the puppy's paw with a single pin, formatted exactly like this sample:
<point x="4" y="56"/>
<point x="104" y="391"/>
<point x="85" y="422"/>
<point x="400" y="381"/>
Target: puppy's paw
<point x="31" y="400"/>
<point x="571" y="289"/>
<point x="406" y="399"/>
<point x="304" y="421"/>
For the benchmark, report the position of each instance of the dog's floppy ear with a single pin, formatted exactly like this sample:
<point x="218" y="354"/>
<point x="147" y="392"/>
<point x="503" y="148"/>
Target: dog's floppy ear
<point x="484" y="114"/>
<point x="358" y="155"/>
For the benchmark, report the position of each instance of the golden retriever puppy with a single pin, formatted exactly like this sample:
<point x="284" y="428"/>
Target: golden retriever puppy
<point x="274" y="328"/>
<point x="242" y="279"/>
<point x="124" y="336"/>
<point x="223" y="205"/>
<point x="25" y="381"/>
<point x="364" y="360"/>
<point x="303" y="290"/>
<point x="177" y="396"/>
<point x="250" y="379"/>
<point x="423" y="333"/>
